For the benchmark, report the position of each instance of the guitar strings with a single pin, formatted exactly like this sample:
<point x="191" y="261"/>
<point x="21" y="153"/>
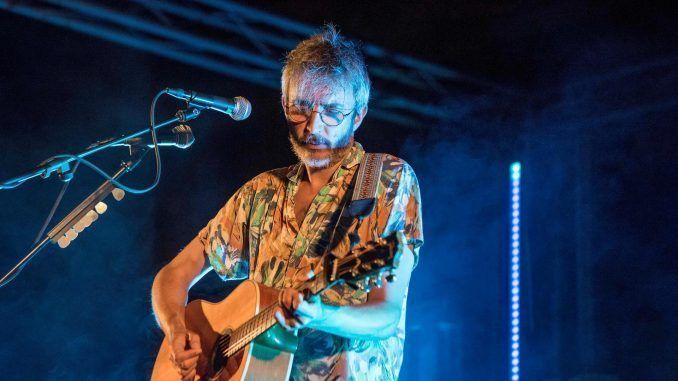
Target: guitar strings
<point x="243" y="332"/>
<point x="254" y="331"/>
<point x="254" y="326"/>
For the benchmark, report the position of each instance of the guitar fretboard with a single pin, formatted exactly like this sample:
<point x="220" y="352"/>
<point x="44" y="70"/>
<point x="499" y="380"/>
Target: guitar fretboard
<point x="247" y="332"/>
<point x="243" y="335"/>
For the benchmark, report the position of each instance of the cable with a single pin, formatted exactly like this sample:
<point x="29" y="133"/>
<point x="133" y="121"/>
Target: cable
<point x="95" y="168"/>
<point x="54" y="207"/>
<point x="158" y="163"/>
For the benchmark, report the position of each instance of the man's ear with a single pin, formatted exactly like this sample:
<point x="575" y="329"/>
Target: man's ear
<point x="359" y="116"/>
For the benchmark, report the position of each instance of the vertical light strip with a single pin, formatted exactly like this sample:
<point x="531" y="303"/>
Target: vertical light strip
<point x="515" y="272"/>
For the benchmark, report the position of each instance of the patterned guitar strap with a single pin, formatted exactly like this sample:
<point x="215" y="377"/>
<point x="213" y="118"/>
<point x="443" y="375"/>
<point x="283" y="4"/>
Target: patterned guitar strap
<point x="364" y="196"/>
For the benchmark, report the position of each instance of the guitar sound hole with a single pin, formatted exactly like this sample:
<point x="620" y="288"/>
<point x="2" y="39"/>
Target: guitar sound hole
<point x="218" y="357"/>
<point x="220" y="362"/>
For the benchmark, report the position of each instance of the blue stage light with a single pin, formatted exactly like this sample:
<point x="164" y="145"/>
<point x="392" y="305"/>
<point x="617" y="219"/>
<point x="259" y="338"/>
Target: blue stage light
<point x="515" y="172"/>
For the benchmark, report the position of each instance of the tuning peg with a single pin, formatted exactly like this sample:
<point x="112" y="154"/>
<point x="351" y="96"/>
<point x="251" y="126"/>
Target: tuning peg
<point x="118" y="194"/>
<point x="379" y="262"/>
<point x="390" y="278"/>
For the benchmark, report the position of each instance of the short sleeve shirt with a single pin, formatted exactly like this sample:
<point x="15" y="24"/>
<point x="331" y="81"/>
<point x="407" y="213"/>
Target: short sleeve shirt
<point x="256" y="236"/>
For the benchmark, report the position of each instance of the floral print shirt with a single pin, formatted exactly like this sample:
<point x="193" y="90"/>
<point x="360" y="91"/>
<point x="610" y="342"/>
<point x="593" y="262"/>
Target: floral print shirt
<point x="257" y="236"/>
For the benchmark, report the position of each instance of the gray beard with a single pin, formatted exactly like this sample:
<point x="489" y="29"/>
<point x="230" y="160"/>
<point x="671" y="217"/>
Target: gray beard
<point x="337" y="152"/>
<point x="305" y="155"/>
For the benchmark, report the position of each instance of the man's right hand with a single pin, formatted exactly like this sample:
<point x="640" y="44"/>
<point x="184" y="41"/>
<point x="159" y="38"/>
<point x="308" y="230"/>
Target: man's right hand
<point x="169" y="294"/>
<point x="185" y="350"/>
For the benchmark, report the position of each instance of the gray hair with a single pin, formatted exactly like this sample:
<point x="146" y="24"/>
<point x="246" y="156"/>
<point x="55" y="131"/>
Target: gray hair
<point x="324" y="60"/>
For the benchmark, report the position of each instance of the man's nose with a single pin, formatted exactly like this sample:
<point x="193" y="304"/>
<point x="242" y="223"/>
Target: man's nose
<point x="314" y="123"/>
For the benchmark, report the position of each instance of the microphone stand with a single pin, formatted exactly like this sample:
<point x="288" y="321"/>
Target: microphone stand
<point x="66" y="230"/>
<point x="46" y="168"/>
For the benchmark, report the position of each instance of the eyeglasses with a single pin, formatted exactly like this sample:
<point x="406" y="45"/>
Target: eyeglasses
<point x="331" y="116"/>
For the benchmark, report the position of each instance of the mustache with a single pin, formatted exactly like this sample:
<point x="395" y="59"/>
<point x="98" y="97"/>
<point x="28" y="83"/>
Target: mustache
<point x="313" y="139"/>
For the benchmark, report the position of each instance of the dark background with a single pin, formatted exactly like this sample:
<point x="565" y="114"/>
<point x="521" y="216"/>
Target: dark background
<point x="592" y="119"/>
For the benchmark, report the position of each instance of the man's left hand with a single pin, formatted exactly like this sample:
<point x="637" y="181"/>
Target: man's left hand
<point x="295" y="312"/>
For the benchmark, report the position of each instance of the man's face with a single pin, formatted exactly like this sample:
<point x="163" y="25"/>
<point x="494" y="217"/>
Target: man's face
<point x="317" y="144"/>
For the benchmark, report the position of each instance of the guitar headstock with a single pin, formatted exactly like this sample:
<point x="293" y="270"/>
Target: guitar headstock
<point x="365" y="265"/>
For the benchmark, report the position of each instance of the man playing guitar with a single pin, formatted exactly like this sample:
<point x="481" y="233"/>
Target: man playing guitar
<point x="275" y="229"/>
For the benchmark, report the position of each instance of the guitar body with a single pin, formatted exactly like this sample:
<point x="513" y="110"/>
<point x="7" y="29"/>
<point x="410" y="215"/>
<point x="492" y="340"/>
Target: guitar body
<point x="268" y="357"/>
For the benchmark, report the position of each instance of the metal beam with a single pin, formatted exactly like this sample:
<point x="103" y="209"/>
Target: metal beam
<point x="248" y="44"/>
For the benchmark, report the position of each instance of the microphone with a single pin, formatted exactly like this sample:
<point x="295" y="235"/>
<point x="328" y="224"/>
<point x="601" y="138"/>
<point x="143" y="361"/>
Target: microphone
<point x="237" y="108"/>
<point x="180" y="136"/>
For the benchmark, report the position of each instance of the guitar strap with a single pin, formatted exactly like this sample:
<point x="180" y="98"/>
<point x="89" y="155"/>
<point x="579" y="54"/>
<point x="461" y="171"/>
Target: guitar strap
<point x="364" y="196"/>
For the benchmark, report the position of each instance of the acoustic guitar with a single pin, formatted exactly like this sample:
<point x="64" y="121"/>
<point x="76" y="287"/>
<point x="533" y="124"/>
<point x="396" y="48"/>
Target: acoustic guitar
<point x="239" y="336"/>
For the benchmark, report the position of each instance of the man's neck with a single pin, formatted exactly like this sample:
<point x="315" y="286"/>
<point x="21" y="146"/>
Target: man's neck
<point x="318" y="177"/>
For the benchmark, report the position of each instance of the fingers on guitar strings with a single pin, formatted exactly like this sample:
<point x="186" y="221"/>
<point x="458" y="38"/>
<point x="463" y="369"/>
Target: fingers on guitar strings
<point x="290" y="324"/>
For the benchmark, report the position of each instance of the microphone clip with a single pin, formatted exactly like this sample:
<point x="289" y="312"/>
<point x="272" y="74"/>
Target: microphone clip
<point x="190" y="112"/>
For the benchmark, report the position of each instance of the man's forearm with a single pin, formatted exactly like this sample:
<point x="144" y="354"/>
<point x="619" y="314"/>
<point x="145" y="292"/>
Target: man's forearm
<point x="170" y="287"/>
<point x="168" y="297"/>
<point x="378" y="318"/>
<point x="364" y="321"/>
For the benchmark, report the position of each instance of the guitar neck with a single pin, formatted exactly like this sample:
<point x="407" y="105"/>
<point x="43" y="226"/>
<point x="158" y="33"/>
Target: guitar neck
<point x="249" y="331"/>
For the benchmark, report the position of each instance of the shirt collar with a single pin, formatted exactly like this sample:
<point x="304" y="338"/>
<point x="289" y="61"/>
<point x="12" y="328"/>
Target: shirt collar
<point x="353" y="158"/>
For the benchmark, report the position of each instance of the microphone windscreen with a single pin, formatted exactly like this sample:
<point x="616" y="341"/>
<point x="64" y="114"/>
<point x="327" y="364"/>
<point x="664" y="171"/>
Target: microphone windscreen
<point x="242" y="109"/>
<point x="183" y="136"/>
